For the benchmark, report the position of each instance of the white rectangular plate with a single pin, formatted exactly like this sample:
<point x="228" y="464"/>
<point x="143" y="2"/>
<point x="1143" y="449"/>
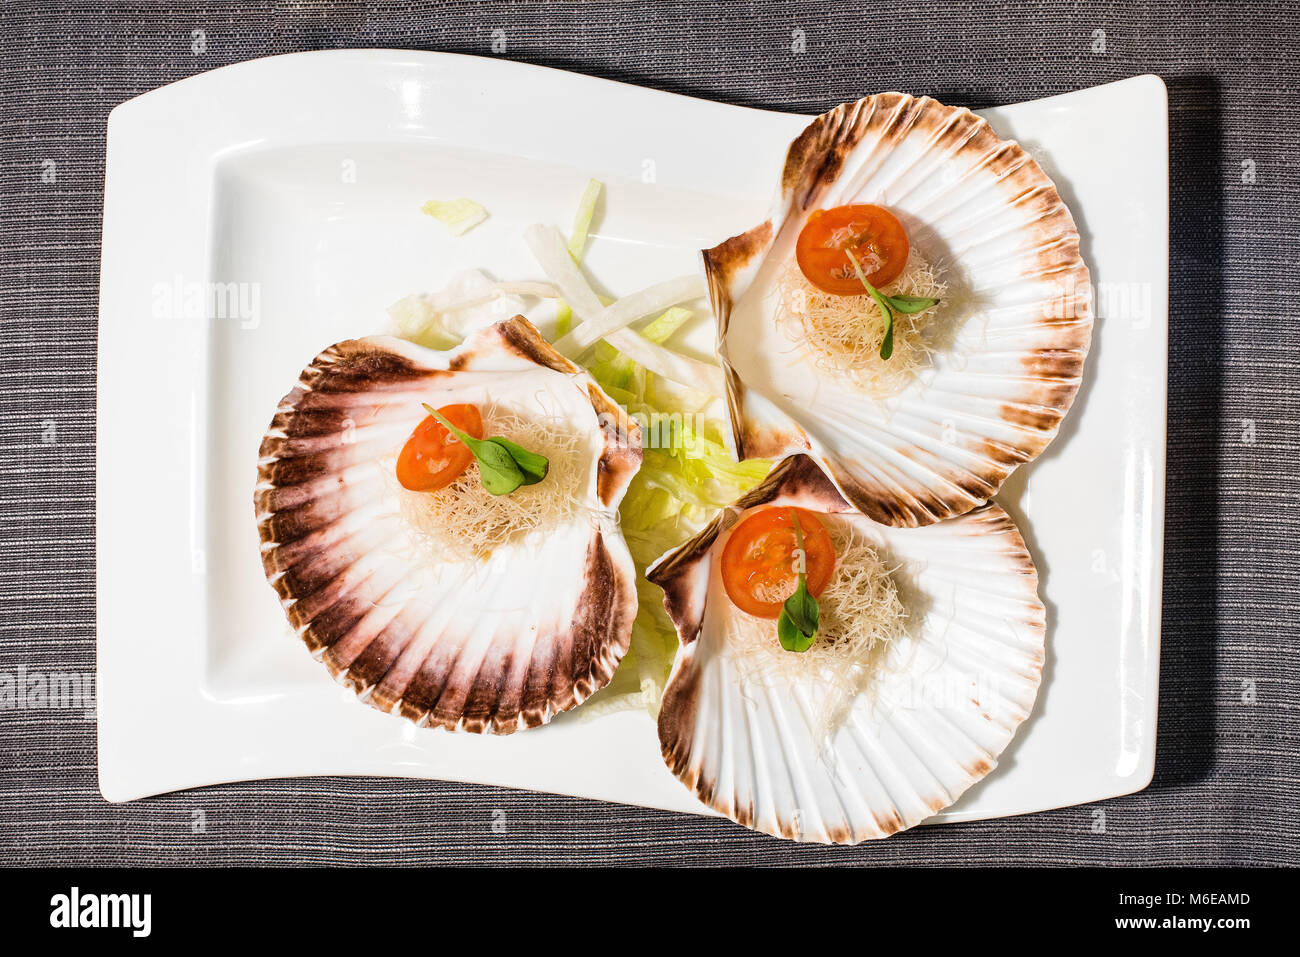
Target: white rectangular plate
<point x="299" y="179"/>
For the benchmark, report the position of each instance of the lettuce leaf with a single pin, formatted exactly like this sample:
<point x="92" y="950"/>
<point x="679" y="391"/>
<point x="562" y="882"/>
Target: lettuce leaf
<point x="660" y="330"/>
<point x="578" y="245"/>
<point x="687" y="475"/>
<point x="458" y="215"/>
<point x="583" y="217"/>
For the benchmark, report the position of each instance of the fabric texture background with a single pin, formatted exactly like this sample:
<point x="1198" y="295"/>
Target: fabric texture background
<point x="1226" y="776"/>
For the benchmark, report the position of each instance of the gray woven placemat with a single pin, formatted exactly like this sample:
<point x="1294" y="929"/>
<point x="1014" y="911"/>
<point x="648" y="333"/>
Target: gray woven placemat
<point x="1226" y="778"/>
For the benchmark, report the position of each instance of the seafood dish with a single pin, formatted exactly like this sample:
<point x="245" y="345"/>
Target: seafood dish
<point x="525" y="499"/>
<point x="969" y="341"/>
<point x="431" y="594"/>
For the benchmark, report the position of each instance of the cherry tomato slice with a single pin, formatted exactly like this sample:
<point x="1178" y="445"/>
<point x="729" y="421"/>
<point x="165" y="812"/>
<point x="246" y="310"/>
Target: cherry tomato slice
<point x="432" y="457"/>
<point x="758" y="560"/>
<point x="872" y="234"/>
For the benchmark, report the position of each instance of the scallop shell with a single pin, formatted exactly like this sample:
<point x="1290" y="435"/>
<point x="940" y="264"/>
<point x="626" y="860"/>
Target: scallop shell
<point x="493" y="644"/>
<point x="945" y="700"/>
<point x="945" y="444"/>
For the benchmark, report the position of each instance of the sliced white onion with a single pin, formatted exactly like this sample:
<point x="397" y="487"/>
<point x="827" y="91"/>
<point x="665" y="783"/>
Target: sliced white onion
<point x="623" y="312"/>
<point x="552" y="255"/>
<point x="542" y="290"/>
<point x="444" y="302"/>
<point x="701" y="376"/>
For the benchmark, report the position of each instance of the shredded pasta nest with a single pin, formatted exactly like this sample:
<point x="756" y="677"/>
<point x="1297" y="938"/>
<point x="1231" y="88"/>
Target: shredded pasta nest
<point x="844" y="333"/>
<point x="861" y="611"/>
<point x="464" y="521"/>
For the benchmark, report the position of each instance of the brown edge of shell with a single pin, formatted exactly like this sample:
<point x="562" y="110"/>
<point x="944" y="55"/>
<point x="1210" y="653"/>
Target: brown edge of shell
<point x="812" y="162"/>
<point x="609" y="603"/>
<point x="622" y="456"/>
<point x="799" y="477"/>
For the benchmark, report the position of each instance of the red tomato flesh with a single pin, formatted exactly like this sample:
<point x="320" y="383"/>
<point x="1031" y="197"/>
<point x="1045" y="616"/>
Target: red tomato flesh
<point x="871" y="234"/>
<point x="432" y="457"/>
<point x="758" y="561"/>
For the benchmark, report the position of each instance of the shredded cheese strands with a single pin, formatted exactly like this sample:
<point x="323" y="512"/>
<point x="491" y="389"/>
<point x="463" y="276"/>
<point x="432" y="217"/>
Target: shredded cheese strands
<point x="861" y="611"/>
<point x="464" y="521"/>
<point x="843" y="333"/>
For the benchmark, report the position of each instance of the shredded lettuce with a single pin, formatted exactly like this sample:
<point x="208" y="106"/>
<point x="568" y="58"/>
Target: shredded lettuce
<point x="582" y="219"/>
<point x="563" y="319"/>
<point x="458" y="215"/>
<point x="662" y="329"/>
<point x="417" y="320"/>
<point x="469" y="302"/>
<point x="687" y="474"/>
<point x="577" y="246"/>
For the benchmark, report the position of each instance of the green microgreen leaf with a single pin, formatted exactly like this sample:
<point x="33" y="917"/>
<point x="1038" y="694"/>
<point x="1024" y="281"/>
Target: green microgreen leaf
<point x="503" y="466"/>
<point x="887" y="343"/>
<point x="911" y="304"/>
<point x="533" y="466"/>
<point x="796" y="629"/>
<point x="791" y="638"/>
<point x="803" y="611"/>
<point x="889" y="305"/>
